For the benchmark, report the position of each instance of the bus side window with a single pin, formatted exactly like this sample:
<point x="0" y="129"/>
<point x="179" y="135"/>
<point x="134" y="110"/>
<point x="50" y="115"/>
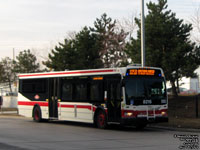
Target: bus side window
<point x="33" y="86"/>
<point x="66" y="91"/>
<point x="96" y="91"/>
<point x="80" y="93"/>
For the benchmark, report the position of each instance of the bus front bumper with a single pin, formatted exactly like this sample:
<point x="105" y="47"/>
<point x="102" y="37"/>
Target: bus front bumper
<point x="136" y="120"/>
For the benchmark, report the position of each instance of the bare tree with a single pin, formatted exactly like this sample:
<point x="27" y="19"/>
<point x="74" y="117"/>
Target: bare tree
<point x="128" y="25"/>
<point x="7" y="74"/>
<point x="195" y="20"/>
<point x="112" y="39"/>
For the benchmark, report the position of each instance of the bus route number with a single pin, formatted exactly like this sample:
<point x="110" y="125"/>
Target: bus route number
<point x="147" y="101"/>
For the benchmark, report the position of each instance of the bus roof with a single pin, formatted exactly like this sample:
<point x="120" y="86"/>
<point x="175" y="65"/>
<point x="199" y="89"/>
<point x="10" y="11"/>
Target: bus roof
<point x="90" y="72"/>
<point x="69" y="73"/>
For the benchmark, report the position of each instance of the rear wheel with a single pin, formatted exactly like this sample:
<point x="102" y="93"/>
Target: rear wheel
<point x="101" y="120"/>
<point x="37" y="114"/>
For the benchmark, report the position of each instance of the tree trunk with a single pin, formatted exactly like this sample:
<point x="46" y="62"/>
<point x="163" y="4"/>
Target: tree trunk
<point x="174" y="91"/>
<point x="10" y="86"/>
<point x="177" y="84"/>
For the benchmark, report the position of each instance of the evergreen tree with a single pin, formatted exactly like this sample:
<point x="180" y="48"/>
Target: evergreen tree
<point x="82" y="52"/>
<point x="88" y="47"/>
<point x="167" y="44"/>
<point x="26" y="62"/>
<point x="63" y="57"/>
<point x="111" y="40"/>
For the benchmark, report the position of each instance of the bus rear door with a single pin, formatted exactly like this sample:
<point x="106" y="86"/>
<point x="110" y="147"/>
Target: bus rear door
<point x="53" y="97"/>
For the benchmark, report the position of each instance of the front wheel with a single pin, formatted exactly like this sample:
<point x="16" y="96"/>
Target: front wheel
<point x="37" y="114"/>
<point x="101" y="120"/>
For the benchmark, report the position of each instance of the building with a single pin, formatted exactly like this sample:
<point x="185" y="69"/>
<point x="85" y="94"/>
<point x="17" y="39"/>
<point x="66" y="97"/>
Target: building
<point x="189" y="85"/>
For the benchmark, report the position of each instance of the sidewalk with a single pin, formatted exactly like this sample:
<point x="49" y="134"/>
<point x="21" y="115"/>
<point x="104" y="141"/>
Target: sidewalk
<point x="180" y="124"/>
<point x="171" y="128"/>
<point x="9" y="111"/>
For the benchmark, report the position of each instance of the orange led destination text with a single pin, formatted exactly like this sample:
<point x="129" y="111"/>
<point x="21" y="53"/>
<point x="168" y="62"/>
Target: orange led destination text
<point x="141" y="72"/>
<point x="98" y="78"/>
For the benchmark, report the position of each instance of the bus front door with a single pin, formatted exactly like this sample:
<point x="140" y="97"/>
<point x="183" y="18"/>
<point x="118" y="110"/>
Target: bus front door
<point x="114" y="103"/>
<point x="53" y="98"/>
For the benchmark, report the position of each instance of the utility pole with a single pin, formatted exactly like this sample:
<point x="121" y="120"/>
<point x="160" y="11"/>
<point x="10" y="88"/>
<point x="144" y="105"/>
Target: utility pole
<point x="13" y="53"/>
<point x="142" y="34"/>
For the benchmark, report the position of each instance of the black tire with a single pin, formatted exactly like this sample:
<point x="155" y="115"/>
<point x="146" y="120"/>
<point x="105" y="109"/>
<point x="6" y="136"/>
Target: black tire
<point x="101" y="120"/>
<point x="37" y="114"/>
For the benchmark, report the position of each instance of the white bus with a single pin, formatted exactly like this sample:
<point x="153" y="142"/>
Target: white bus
<point x="131" y="95"/>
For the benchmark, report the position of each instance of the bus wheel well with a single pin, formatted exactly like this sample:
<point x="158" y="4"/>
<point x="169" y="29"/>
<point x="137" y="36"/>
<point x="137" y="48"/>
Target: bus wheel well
<point x="98" y="111"/>
<point x="36" y="113"/>
<point x="36" y="105"/>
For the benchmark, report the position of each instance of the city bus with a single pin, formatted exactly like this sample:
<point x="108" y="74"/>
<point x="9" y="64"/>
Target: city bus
<point x="131" y="95"/>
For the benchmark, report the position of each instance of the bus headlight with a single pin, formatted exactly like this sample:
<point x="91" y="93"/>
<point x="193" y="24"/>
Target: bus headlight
<point x="128" y="114"/>
<point x="164" y="113"/>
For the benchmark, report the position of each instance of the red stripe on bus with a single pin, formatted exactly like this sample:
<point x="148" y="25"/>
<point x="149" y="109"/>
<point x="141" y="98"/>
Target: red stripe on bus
<point x="65" y="73"/>
<point x="77" y="106"/>
<point x="67" y="106"/>
<point x="84" y="106"/>
<point x="62" y="105"/>
<point x="33" y="103"/>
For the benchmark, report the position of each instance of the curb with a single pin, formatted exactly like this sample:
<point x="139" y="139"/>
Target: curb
<point x="8" y="112"/>
<point x="169" y="128"/>
<point x="175" y="128"/>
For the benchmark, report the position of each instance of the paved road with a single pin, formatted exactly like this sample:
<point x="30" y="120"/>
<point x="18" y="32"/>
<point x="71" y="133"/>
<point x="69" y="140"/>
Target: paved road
<point x="18" y="133"/>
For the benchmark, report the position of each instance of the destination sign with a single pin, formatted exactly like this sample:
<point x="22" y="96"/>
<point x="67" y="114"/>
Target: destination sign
<point x="97" y="78"/>
<point x="143" y="72"/>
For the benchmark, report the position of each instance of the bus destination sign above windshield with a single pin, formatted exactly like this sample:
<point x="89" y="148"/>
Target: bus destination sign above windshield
<point x="143" y="72"/>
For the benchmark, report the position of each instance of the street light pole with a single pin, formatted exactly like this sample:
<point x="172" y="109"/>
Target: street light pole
<point x="142" y="35"/>
<point x="13" y="53"/>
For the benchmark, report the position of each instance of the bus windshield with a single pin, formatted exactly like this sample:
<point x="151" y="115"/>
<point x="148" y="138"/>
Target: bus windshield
<point x="142" y="90"/>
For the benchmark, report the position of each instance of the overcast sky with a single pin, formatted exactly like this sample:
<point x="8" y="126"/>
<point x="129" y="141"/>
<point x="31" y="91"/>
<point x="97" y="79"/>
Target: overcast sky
<point x="39" y="24"/>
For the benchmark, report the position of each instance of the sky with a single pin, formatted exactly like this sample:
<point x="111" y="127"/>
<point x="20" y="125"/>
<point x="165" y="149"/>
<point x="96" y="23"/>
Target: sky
<point x="39" y="25"/>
